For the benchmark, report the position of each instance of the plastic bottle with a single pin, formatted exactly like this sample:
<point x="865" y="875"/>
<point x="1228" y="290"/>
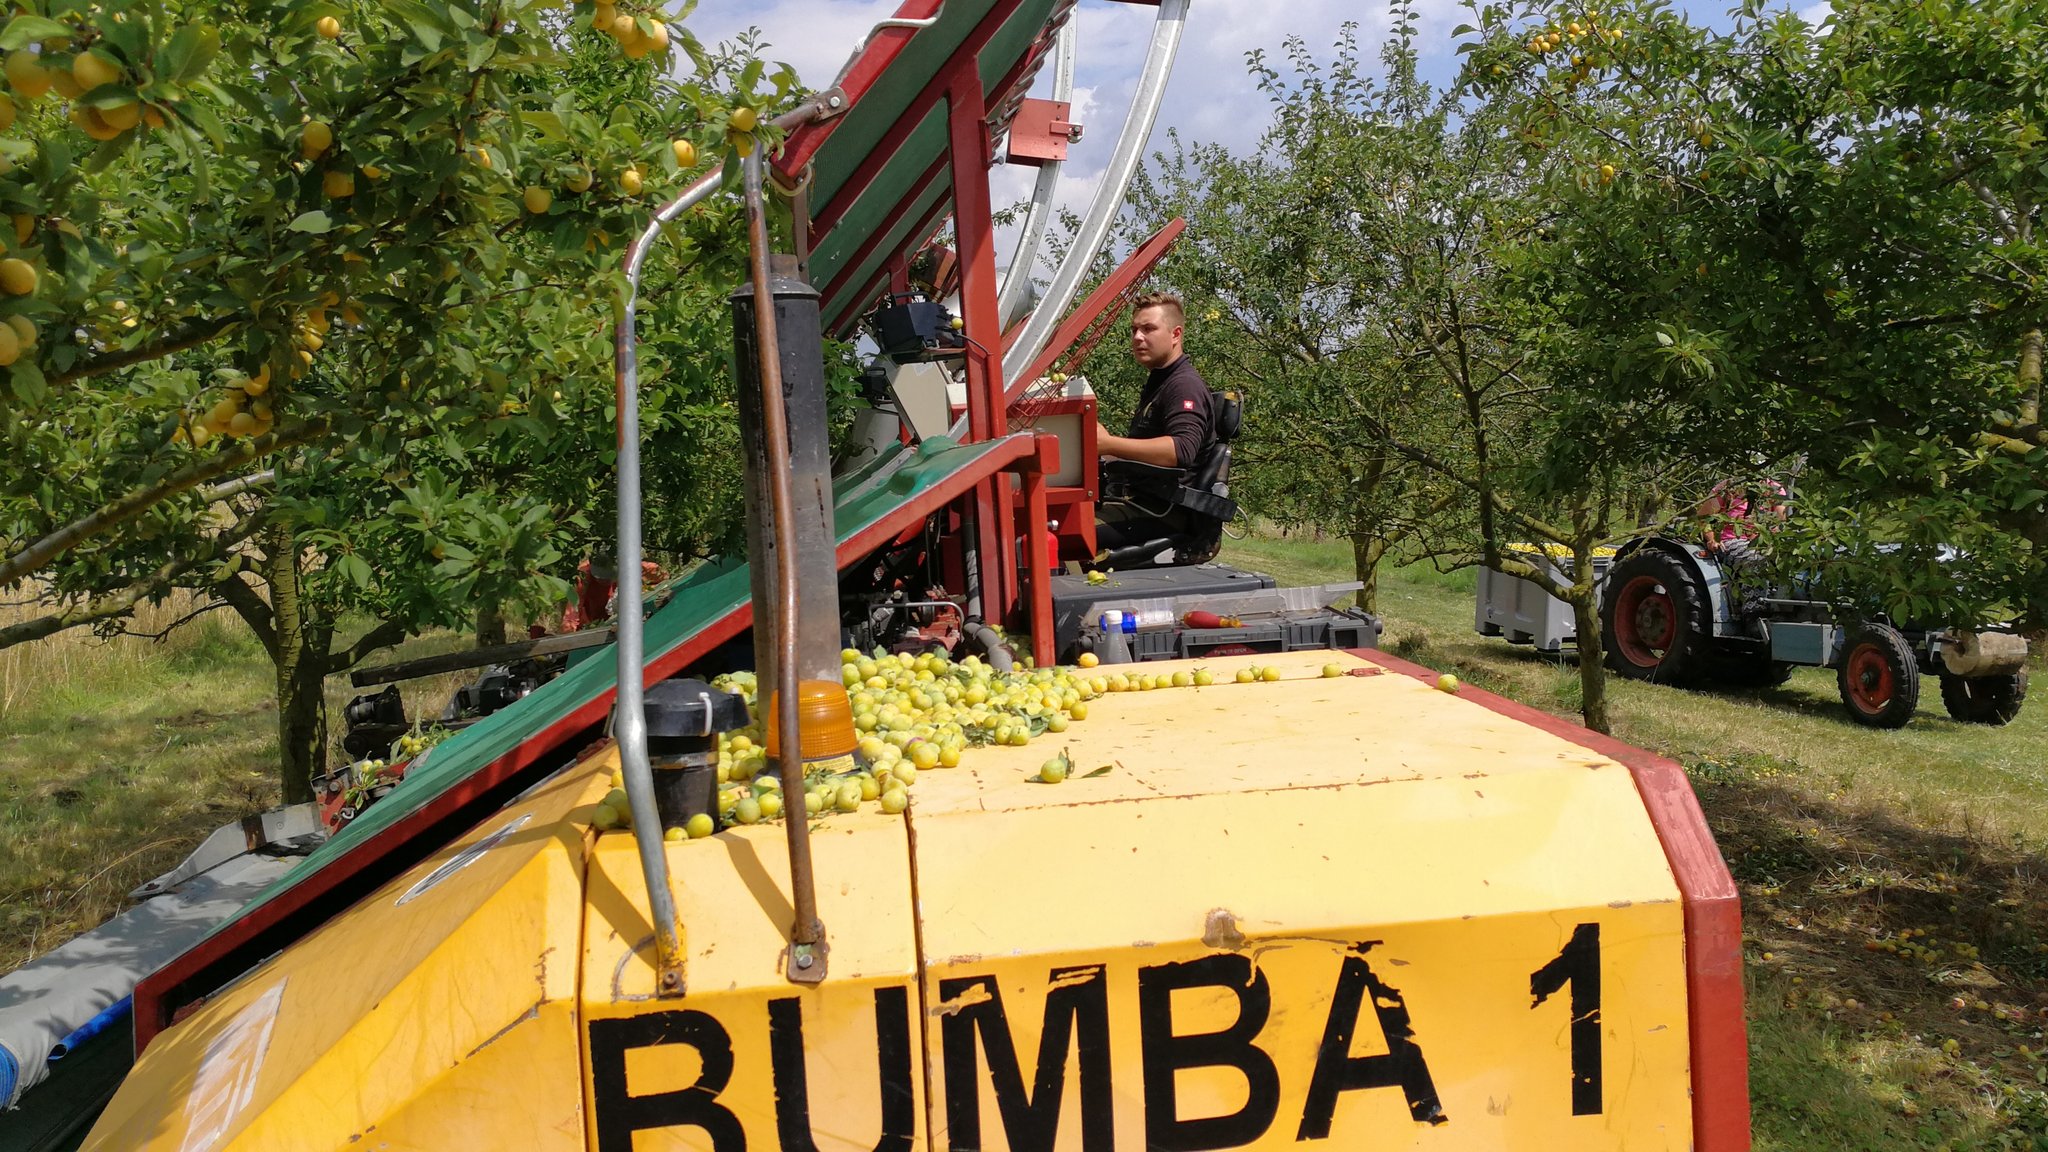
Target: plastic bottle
<point x="1115" y="650"/>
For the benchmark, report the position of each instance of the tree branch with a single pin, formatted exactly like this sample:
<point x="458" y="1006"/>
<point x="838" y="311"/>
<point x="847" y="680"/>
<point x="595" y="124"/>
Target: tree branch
<point x="238" y="485"/>
<point x="383" y="635"/>
<point x="187" y="618"/>
<point x="253" y="609"/>
<point x="190" y="336"/>
<point x="109" y="607"/>
<point x="136" y="503"/>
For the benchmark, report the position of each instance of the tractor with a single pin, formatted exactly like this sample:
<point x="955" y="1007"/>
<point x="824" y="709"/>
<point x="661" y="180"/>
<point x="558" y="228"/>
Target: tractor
<point x="1675" y="612"/>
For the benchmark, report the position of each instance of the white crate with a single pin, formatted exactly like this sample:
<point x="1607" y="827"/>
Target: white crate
<point x="1524" y="613"/>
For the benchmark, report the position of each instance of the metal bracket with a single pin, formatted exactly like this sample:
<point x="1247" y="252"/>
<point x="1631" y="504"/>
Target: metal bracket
<point x="668" y="981"/>
<point x="832" y="103"/>
<point x="807" y="962"/>
<point x="1040" y="132"/>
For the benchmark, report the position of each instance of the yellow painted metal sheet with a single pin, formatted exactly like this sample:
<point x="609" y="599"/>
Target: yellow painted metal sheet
<point x="1346" y="909"/>
<point x="438" y="1013"/>
<point x="1321" y="909"/>
<point x="1303" y="731"/>
<point x="747" y="1058"/>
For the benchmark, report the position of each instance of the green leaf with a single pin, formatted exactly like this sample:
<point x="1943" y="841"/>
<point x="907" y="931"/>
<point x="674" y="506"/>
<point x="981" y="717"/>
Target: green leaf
<point x="547" y="125"/>
<point x="354" y="569"/>
<point x="128" y="38"/>
<point x="25" y="30"/>
<point x="107" y="152"/>
<point x="1102" y="771"/>
<point x="28" y="383"/>
<point x="201" y="117"/>
<point x="426" y="28"/>
<point x="481" y="47"/>
<point x="2028" y="498"/>
<point x="314" y="222"/>
<point x="185" y="57"/>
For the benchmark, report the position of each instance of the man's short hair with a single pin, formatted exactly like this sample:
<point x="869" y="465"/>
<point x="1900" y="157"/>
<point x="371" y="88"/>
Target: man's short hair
<point x="1166" y="300"/>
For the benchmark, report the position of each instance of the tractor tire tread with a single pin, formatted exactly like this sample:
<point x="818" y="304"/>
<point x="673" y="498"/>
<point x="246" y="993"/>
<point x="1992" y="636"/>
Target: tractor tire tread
<point x="1898" y="654"/>
<point x="1992" y="700"/>
<point x="1689" y="658"/>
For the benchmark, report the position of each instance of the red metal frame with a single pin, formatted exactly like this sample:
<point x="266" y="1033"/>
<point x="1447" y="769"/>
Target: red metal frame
<point x="1713" y="914"/>
<point x="300" y="909"/>
<point x="880" y="236"/>
<point x="1073" y="505"/>
<point x="974" y="239"/>
<point x="1037" y="555"/>
<point x="804" y="142"/>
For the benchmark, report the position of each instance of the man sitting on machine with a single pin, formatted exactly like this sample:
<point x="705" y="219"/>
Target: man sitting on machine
<point x="1164" y="497"/>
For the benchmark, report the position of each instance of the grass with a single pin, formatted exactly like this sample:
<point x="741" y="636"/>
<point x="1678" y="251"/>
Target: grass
<point x="1897" y="932"/>
<point x="118" y="756"/>
<point x="1896" y="927"/>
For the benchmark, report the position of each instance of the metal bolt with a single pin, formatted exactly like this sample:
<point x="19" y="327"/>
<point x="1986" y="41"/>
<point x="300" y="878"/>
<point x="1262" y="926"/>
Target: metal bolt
<point x="833" y="101"/>
<point x="671" y="980"/>
<point x="803" y="957"/>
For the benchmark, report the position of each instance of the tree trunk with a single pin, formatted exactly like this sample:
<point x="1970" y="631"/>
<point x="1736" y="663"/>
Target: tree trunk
<point x="490" y="624"/>
<point x="1592" y="660"/>
<point x="2031" y="349"/>
<point x="1367" y="550"/>
<point x="299" y="656"/>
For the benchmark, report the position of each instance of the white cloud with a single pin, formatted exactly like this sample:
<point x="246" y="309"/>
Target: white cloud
<point x="1211" y="97"/>
<point x="812" y="36"/>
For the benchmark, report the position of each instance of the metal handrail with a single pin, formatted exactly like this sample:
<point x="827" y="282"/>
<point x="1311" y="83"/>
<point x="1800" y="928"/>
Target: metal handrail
<point x="629" y="720"/>
<point x="1109" y="195"/>
<point x="806" y="954"/>
<point x="1016" y="286"/>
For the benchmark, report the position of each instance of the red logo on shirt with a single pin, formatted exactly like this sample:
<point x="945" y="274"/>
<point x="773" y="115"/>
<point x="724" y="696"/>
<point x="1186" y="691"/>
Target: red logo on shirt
<point x="1188" y="404"/>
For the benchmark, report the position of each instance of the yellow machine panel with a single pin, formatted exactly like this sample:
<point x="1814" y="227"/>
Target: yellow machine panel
<point x="1346" y="908"/>
<point x="1463" y="936"/>
<point x="439" y="1013"/>
<point x="1290" y="918"/>
<point x="745" y="1058"/>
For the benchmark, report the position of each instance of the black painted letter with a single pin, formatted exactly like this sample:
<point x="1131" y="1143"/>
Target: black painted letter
<point x="619" y="1115"/>
<point x="1166" y="1053"/>
<point x="1579" y="966"/>
<point x="1338" y="1071"/>
<point x="1076" y="1011"/>
<point x="892" y="1059"/>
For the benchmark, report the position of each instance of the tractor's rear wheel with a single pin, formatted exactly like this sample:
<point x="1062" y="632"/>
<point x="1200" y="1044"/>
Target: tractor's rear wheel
<point x="1654" y="617"/>
<point x="1984" y="699"/>
<point x="1878" y="677"/>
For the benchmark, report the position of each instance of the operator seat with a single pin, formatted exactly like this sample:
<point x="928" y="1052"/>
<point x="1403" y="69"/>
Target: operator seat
<point x="1179" y="513"/>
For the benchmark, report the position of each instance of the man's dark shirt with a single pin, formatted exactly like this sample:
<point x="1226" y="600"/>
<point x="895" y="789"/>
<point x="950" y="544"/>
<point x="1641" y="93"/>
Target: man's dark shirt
<point x="1175" y="403"/>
